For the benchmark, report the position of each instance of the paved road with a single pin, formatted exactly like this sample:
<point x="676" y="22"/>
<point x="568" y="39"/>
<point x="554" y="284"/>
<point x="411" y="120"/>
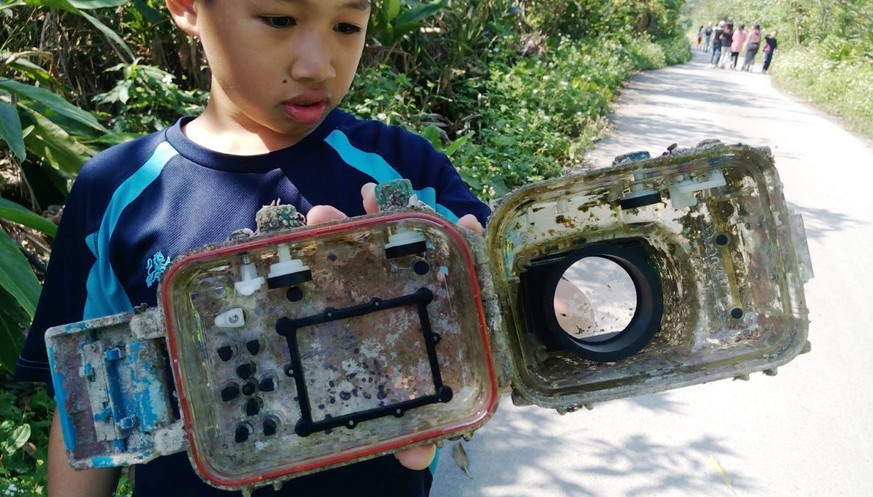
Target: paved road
<point x="807" y="431"/>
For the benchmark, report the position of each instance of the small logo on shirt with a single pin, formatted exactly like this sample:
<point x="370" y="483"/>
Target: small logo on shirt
<point x="155" y="267"/>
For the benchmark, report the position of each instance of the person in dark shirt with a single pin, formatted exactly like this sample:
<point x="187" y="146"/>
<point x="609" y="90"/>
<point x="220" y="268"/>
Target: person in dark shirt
<point x="727" y="37"/>
<point x="717" y="39"/>
<point x="769" y="50"/>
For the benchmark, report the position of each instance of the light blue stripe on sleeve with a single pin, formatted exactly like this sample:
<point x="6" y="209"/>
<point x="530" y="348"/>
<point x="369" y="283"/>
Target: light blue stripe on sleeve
<point x="106" y="295"/>
<point x="374" y="166"/>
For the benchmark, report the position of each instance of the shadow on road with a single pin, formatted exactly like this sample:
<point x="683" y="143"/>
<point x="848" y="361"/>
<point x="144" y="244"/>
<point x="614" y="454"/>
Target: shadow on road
<point x="514" y="452"/>
<point x="819" y="222"/>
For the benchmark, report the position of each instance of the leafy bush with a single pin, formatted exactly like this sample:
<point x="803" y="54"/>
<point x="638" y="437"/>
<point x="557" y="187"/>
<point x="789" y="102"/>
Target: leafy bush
<point x="383" y="93"/>
<point x="536" y="116"/>
<point x="146" y="99"/>
<point x="26" y="418"/>
<point x="676" y="49"/>
<point x="646" y="55"/>
<point x="843" y="87"/>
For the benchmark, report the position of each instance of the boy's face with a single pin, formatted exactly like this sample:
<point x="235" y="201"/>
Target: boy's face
<point x="278" y="66"/>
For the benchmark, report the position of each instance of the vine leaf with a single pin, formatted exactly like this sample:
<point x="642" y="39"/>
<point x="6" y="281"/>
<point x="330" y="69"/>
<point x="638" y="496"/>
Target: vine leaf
<point x="13" y="437"/>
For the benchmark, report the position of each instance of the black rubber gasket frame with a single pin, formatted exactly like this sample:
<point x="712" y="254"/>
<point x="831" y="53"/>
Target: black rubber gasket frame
<point x="288" y="327"/>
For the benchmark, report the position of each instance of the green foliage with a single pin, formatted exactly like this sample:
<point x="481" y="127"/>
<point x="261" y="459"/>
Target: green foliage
<point x="49" y="136"/>
<point x="10" y="130"/>
<point x="538" y="116"/>
<point x="13" y="320"/>
<point x="16" y="277"/>
<point x="146" y="99"/>
<point x="383" y="93"/>
<point x="646" y="55"/>
<point x="676" y="49"/>
<point x="24" y="430"/>
<point x="78" y="7"/>
<point x="11" y="211"/>
<point x="40" y="127"/>
<point x="19" y="286"/>
<point x="50" y="127"/>
<point x="394" y="19"/>
<point x="588" y="19"/>
<point x="839" y="83"/>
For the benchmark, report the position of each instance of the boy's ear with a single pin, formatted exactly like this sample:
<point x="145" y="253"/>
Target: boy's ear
<point x="184" y="14"/>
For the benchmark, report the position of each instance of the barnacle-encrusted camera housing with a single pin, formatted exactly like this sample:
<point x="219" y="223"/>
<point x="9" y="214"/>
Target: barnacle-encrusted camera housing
<point x="304" y="348"/>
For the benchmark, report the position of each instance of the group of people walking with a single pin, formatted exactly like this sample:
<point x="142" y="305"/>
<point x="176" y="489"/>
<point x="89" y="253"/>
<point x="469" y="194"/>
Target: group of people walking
<point x="727" y="43"/>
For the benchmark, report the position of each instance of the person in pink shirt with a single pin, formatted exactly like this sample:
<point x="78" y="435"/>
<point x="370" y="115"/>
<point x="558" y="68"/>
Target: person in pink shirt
<point x="752" y="45"/>
<point x="737" y="42"/>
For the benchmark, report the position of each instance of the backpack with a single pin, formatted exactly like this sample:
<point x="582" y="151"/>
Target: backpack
<point x="708" y="31"/>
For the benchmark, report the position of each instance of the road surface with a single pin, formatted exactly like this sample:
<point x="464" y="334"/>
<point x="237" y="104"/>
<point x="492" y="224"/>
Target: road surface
<point x="807" y="431"/>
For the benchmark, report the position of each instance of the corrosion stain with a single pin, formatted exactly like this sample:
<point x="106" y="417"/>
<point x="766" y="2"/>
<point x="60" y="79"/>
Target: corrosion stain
<point x="566" y="221"/>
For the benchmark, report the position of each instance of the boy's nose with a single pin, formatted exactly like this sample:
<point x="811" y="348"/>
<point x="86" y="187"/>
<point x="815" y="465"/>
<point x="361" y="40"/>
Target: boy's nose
<point x="313" y="58"/>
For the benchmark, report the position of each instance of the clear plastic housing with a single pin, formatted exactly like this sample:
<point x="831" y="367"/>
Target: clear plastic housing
<point x="366" y="352"/>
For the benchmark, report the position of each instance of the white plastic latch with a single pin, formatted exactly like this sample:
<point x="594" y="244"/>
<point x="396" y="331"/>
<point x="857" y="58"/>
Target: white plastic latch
<point x="682" y="191"/>
<point x="286" y="264"/>
<point x="250" y="282"/>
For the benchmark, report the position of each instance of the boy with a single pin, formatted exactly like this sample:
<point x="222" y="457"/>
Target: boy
<point x="270" y="130"/>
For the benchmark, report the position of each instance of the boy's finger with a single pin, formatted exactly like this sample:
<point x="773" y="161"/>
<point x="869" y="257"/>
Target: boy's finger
<point x="469" y="221"/>
<point x="368" y="193"/>
<point x="322" y="214"/>
<point x="417" y="458"/>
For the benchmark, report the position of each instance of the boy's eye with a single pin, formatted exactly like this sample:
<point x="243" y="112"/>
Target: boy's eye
<point x="279" y="21"/>
<point x="347" y="29"/>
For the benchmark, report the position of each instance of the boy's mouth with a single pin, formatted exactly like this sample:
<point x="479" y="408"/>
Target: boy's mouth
<point x="305" y="110"/>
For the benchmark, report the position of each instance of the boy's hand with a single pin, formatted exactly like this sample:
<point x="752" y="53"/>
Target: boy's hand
<point x="368" y="192"/>
<point x="416" y="458"/>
